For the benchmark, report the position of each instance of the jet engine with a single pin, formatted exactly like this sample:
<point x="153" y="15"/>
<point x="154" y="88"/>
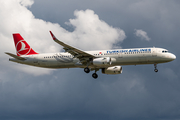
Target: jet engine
<point x="102" y="61"/>
<point x="112" y="70"/>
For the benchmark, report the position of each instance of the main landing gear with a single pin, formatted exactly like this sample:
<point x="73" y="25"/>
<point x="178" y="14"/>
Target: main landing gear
<point x="94" y="75"/>
<point x="155" y="68"/>
<point x="86" y="70"/>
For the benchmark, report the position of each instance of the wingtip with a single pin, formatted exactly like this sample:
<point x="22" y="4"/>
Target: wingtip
<point x="54" y="38"/>
<point x="50" y="32"/>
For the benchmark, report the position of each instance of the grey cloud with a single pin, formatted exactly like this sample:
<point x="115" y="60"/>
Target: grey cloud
<point x="113" y="97"/>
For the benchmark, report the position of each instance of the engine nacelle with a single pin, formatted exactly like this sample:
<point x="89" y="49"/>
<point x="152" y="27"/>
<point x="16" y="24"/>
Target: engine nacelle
<point x="112" y="70"/>
<point x="102" y="61"/>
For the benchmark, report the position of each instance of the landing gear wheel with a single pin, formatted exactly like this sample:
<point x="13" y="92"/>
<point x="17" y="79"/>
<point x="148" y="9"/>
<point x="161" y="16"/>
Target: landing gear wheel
<point x="155" y="70"/>
<point x="94" y="75"/>
<point x="86" y="70"/>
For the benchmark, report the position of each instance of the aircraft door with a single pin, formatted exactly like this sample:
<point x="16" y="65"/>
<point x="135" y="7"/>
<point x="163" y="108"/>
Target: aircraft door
<point x="154" y="52"/>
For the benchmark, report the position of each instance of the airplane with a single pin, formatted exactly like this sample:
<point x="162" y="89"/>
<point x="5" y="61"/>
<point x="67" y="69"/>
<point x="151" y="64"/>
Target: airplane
<point x="109" y="61"/>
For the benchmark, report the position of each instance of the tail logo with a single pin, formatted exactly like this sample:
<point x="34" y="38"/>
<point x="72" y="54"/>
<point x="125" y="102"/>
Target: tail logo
<point x="22" y="48"/>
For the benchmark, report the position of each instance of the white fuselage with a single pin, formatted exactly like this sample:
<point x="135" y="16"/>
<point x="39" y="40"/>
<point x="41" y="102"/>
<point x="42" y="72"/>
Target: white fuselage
<point x="133" y="56"/>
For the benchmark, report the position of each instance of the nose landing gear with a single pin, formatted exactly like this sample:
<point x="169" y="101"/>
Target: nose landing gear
<point x="155" y="68"/>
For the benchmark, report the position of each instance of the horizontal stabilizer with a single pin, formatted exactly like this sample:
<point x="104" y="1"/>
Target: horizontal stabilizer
<point x="15" y="56"/>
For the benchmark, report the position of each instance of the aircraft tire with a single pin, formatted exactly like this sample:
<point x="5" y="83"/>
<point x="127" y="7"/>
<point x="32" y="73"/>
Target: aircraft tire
<point x="94" y="75"/>
<point x="155" y="70"/>
<point x="86" y="70"/>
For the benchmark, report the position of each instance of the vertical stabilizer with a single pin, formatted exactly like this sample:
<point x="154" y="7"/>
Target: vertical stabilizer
<point x="22" y="47"/>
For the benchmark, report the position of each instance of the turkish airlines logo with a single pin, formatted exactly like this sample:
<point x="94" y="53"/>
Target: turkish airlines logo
<point x="22" y="48"/>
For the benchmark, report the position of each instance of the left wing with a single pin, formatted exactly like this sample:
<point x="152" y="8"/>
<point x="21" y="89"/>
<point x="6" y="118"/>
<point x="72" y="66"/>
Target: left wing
<point x="84" y="57"/>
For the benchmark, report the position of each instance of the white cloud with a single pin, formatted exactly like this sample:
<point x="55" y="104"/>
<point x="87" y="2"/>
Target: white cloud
<point x="142" y="34"/>
<point x="26" y="3"/>
<point x="90" y="32"/>
<point x="93" y="32"/>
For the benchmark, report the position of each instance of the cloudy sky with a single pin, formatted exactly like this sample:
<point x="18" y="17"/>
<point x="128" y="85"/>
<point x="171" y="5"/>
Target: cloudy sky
<point x="138" y="93"/>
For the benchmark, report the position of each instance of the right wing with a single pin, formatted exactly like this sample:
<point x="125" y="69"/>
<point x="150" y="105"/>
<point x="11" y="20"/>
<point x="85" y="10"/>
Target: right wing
<point x="83" y="56"/>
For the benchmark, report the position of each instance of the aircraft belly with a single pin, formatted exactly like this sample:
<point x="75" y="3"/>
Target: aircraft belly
<point x="134" y="60"/>
<point x="128" y="59"/>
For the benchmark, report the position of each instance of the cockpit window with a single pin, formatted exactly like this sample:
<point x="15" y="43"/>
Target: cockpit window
<point x="164" y="51"/>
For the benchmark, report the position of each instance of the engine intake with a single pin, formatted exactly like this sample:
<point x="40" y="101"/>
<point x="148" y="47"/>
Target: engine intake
<point x="102" y="61"/>
<point x="112" y="70"/>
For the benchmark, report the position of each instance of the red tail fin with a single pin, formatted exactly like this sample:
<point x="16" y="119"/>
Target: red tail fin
<point x="22" y="47"/>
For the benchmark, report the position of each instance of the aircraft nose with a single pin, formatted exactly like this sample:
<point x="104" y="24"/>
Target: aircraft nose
<point x="173" y="57"/>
